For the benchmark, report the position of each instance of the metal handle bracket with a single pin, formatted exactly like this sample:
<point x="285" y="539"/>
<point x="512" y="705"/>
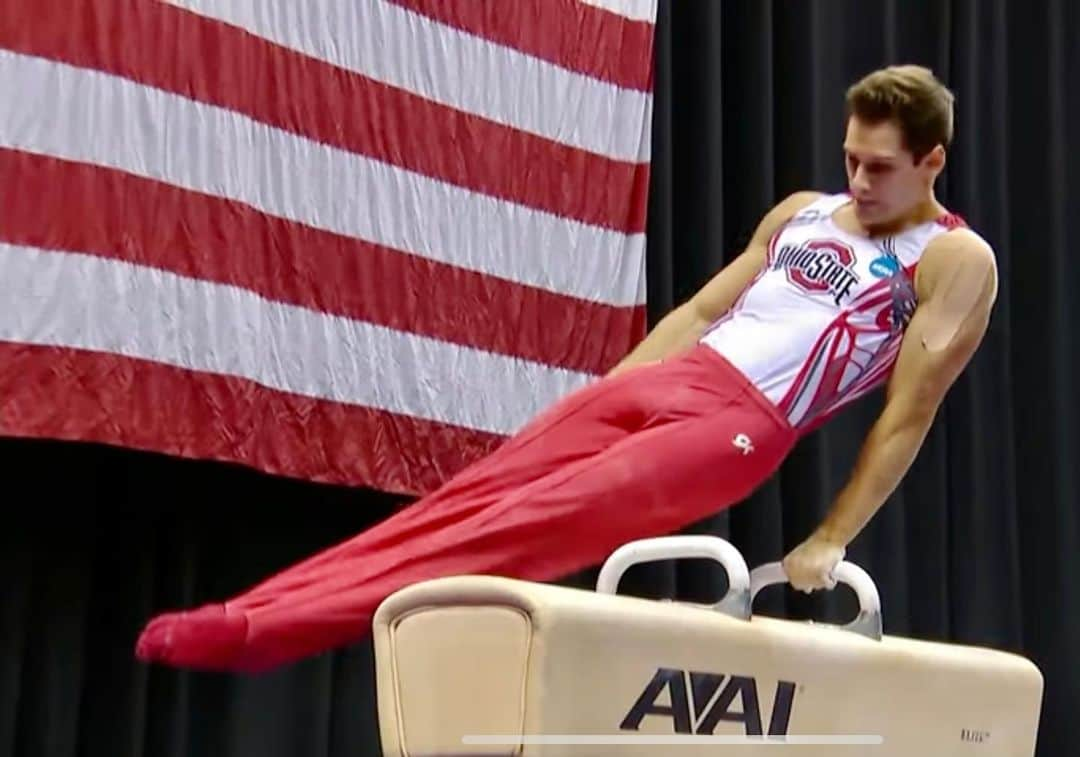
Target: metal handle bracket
<point x="867" y="622"/>
<point x="738" y="598"/>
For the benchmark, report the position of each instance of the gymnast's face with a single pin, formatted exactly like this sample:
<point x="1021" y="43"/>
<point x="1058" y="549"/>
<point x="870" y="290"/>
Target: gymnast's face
<point x="885" y="181"/>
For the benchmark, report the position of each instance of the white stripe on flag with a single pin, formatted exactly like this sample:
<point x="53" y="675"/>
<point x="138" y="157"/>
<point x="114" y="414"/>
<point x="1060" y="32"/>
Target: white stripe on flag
<point x="413" y="52"/>
<point x="638" y="10"/>
<point x="96" y="118"/>
<point x="63" y="299"/>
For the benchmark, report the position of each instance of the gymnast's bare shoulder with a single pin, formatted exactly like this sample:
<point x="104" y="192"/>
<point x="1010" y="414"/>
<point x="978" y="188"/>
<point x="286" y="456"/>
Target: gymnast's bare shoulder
<point x="719" y="293"/>
<point x="956" y="285"/>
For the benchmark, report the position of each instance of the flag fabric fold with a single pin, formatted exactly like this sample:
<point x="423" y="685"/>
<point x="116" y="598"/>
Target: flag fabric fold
<point x="352" y="242"/>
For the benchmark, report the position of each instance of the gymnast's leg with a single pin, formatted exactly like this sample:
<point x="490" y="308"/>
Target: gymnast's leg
<point x="682" y="441"/>
<point x="578" y="426"/>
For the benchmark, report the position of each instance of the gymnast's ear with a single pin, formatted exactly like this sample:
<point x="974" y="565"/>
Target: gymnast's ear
<point x="934" y="161"/>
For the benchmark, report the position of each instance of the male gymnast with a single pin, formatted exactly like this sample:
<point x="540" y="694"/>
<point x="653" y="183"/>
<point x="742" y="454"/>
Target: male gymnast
<point x="834" y="296"/>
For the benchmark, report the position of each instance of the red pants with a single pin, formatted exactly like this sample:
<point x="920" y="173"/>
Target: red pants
<point x="641" y="454"/>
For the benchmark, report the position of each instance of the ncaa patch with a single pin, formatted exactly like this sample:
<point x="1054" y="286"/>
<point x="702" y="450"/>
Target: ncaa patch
<point x="885" y="266"/>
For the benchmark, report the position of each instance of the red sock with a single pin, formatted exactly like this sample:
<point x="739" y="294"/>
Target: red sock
<point x="204" y="638"/>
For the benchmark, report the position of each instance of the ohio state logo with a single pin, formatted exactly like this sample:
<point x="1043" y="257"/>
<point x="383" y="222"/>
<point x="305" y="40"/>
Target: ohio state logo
<point x="819" y="265"/>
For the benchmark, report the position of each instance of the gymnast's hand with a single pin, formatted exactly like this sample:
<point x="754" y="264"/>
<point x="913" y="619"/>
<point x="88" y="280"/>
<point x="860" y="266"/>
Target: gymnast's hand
<point x="811" y="565"/>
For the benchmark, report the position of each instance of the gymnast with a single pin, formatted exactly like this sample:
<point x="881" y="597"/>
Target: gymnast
<point x="834" y="296"/>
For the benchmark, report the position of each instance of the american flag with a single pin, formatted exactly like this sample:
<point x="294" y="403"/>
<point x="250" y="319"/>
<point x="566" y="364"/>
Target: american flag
<point x="350" y="241"/>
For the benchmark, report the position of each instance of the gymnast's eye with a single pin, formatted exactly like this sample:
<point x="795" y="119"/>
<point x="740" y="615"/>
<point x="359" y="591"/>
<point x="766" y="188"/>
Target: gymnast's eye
<point x="873" y="167"/>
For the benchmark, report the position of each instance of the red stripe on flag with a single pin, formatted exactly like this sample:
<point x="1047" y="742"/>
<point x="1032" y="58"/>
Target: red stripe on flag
<point x="63" y="205"/>
<point x="569" y="33"/>
<point x="80" y="395"/>
<point x="223" y="65"/>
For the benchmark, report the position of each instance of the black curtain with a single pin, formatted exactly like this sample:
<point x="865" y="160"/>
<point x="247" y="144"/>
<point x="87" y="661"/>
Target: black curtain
<point x="980" y="545"/>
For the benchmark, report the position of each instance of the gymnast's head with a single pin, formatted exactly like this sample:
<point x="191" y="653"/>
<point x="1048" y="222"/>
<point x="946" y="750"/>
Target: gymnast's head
<point x="899" y="127"/>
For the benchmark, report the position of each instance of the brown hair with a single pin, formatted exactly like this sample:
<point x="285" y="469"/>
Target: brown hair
<point x="913" y="98"/>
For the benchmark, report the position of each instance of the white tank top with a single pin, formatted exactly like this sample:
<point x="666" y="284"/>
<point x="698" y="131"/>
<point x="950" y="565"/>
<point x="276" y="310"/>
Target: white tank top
<point x="821" y="324"/>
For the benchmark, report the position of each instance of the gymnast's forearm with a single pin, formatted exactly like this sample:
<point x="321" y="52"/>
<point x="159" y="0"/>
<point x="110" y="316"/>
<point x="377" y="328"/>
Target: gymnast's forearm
<point x="885" y="458"/>
<point x="677" y="331"/>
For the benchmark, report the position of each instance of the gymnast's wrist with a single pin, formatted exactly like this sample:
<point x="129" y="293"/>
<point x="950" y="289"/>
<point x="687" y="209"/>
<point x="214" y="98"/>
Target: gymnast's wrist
<point x="832" y="533"/>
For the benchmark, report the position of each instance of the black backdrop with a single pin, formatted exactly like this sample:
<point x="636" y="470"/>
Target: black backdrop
<point x="980" y="545"/>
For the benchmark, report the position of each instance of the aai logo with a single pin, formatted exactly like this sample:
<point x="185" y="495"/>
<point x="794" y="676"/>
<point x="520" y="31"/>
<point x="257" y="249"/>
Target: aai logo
<point x="885" y="266"/>
<point x="698" y="703"/>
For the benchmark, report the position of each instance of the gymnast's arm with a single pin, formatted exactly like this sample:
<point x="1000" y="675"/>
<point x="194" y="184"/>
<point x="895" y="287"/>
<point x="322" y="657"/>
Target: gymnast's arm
<point x="957" y="285"/>
<point x="682" y="327"/>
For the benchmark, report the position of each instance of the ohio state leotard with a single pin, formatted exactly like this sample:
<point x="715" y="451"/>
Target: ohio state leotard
<point x="821" y="324"/>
